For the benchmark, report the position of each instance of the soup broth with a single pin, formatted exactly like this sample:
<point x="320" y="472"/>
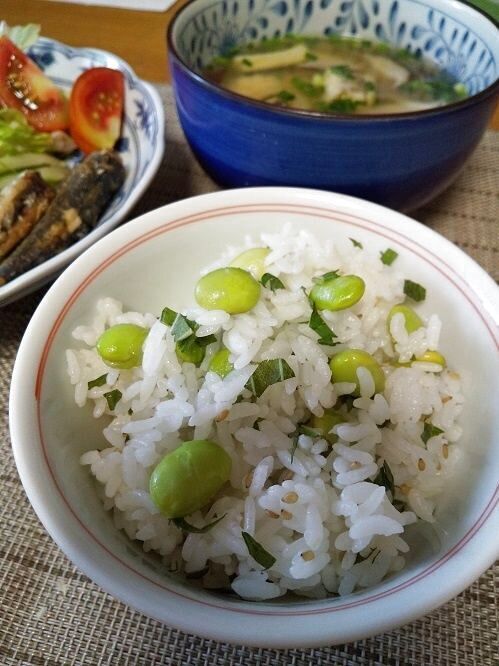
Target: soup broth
<point x="334" y="75"/>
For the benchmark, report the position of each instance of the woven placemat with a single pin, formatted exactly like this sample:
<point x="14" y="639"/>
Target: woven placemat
<point x="52" y="615"/>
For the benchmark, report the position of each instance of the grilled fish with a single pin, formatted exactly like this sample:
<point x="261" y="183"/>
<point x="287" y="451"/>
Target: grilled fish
<point x="22" y="204"/>
<point x="75" y="210"/>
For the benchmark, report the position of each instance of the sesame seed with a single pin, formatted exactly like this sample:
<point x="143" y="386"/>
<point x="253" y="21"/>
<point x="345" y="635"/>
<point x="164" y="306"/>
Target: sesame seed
<point x="404" y="489"/>
<point x="445" y="450"/>
<point x="290" y="498"/>
<point x="222" y="416"/>
<point x="286" y="515"/>
<point x="421" y="465"/>
<point x="308" y="555"/>
<point x="271" y="514"/>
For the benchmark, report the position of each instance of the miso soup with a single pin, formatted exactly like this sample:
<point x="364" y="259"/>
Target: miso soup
<point x="334" y="74"/>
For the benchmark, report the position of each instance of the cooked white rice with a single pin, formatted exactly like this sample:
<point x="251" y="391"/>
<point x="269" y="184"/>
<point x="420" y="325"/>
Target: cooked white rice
<point x="317" y="510"/>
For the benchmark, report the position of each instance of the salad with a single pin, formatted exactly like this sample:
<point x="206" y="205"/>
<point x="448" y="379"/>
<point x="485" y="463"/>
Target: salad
<point x="40" y="129"/>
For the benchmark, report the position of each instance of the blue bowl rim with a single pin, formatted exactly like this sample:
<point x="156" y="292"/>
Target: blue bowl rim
<point x="322" y="116"/>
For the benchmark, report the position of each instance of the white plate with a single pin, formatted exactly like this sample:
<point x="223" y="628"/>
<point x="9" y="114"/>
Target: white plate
<point x="141" y="147"/>
<point x="154" y="262"/>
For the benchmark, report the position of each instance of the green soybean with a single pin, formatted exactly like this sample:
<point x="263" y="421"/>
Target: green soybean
<point x="338" y="293"/>
<point x="325" y="423"/>
<point x="120" y="346"/>
<point x="411" y="319"/>
<point x="432" y="357"/>
<point x="344" y="367"/>
<point x="253" y="261"/>
<point x="220" y="363"/>
<point x="186" y="479"/>
<point x="231" y="289"/>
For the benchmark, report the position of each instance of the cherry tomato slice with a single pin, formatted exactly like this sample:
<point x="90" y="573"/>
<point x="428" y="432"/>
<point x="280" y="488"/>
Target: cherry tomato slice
<point x="25" y="87"/>
<point x="96" y="108"/>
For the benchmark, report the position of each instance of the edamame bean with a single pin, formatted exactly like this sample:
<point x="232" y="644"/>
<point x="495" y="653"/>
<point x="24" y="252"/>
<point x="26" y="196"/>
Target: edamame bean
<point x="325" y="423"/>
<point x="253" y="261"/>
<point x="431" y="356"/>
<point x="189" y="477"/>
<point x="220" y="363"/>
<point x="411" y="319"/>
<point x="338" y="293"/>
<point x="120" y="346"/>
<point x="230" y="289"/>
<point x="344" y="367"/>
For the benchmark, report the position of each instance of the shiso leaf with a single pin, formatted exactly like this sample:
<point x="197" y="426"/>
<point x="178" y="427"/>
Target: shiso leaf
<point x="113" y="397"/>
<point x="258" y="552"/>
<point x="267" y="373"/>
<point x="331" y="275"/>
<point x="271" y="282"/>
<point x="294" y="446"/>
<point x="309" y="432"/>
<point x="385" y="478"/>
<point x="181" y="328"/>
<point x="285" y="96"/>
<point x="192" y="349"/>
<point x="168" y="316"/>
<point x="344" y="71"/>
<point x="388" y="256"/>
<point x="98" y="381"/>
<point x="319" y="326"/>
<point x="414" y="290"/>
<point x="187" y="527"/>
<point x="356" y="243"/>
<point x="429" y="430"/>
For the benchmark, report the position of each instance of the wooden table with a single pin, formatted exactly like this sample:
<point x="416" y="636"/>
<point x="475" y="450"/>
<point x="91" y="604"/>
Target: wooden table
<point x="138" y="37"/>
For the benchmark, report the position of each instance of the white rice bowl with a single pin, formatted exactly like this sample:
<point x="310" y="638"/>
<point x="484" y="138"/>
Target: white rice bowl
<point x="344" y="592"/>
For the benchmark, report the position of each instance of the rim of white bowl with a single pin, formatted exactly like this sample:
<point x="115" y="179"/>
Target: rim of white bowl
<point x="311" y="623"/>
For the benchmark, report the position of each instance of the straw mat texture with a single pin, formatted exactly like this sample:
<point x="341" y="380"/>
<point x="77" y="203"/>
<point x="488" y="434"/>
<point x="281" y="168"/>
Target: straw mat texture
<point x="52" y="615"/>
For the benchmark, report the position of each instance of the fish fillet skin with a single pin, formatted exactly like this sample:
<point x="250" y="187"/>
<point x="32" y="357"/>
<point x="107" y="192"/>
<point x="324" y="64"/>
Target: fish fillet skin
<point x="22" y="204"/>
<point x="74" y="212"/>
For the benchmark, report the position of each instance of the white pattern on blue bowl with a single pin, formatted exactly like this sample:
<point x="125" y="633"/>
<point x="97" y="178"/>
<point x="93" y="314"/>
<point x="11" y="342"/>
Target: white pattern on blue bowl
<point x="140" y="146"/>
<point x="433" y="32"/>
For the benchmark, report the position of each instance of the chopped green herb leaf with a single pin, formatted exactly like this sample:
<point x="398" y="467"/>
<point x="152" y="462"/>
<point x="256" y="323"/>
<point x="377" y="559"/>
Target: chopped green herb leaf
<point x="388" y="256"/>
<point x="168" y="316"/>
<point x="193" y="349"/>
<point x="246" y="62"/>
<point x="130" y="411"/>
<point x="267" y="373"/>
<point x="310" y="57"/>
<point x="294" y="446"/>
<point x="258" y="552"/>
<point x="306" y="87"/>
<point x="181" y="328"/>
<point x="369" y="86"/>
<point x="331" y="275"/>
<point x="385" y="478"/>
<point x="113" y="398"/>
<point x="429" y="430"/>
<point x="187" y="527"/>
<point x="414" y="291"/>
<point x="319" y="326"/>
<point x="342" y="70"/>
<point x="356" y="243"/>
<point x="99" y="381"/>
<point x="285" y="96"/>
<point x="271" y="282"/>
<point x="339" y="106"/>
<point x="309" y="432"/>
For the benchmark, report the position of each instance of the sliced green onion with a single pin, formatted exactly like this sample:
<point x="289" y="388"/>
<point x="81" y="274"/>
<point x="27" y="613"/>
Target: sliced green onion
<point x="356" y="243"/>
<point x="258" y="552"/>
<point x="267" y="373"/>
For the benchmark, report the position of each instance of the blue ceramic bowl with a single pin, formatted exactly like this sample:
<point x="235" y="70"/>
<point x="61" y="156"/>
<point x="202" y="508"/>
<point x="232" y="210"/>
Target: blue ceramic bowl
<point x="399" y="160"/>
